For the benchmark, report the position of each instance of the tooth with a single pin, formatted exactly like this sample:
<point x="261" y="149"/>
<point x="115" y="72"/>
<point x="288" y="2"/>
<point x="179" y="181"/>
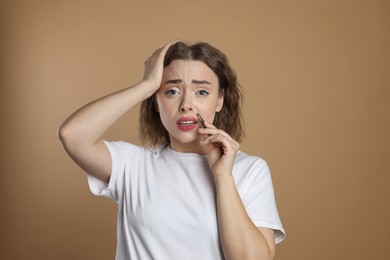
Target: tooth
<point x="187" y="122"/>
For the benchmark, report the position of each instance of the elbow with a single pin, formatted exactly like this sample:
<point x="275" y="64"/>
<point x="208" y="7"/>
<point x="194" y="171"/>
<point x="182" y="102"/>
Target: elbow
<point x="66" y="135"/>
<point x="62" y="133"/>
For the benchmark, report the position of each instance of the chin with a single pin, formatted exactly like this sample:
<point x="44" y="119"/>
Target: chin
<point x="183" y="139"/>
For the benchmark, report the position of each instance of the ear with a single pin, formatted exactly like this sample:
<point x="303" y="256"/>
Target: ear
<point x="220" y="101"/>
<point x="156" y="107"/>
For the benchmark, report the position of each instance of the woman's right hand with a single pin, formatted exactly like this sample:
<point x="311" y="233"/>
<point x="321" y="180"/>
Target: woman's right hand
<point x="154" y="66"/>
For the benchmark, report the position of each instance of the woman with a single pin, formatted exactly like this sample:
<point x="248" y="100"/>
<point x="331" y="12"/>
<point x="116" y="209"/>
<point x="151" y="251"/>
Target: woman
<point x="190" y="193"/>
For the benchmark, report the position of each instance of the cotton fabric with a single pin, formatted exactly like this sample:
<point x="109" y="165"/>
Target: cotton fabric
<point x="166" y="201"/>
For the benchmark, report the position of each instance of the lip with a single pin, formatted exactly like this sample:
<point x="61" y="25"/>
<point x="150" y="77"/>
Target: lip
<point x="189" y="126"/>
<point x="187" y="118"/>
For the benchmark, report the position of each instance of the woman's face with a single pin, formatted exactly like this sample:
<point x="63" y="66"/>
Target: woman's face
<point x="188" y="87"/>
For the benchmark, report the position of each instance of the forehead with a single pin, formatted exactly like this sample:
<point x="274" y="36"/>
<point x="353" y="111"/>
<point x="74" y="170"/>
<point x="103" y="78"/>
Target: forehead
<point x="189" y="70"/>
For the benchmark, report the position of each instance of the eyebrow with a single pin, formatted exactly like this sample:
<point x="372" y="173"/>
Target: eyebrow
<point x="199" y="82"/>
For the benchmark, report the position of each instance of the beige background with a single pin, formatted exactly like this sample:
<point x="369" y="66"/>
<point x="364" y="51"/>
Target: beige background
<point x="316" y="79"/>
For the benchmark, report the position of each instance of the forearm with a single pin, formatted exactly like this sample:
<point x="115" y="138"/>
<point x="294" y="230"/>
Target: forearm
<point x="81" y="134"/>
<point x="89" y="123"/>
<point x="240" y="238"/>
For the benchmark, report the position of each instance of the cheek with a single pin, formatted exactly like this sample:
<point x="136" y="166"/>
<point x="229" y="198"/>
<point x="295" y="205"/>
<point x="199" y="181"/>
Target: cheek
<point x="210" y="105"/>
<point x="159" y="102"/>
<point x="162" y="105"/>
<point x="207" y="111"/>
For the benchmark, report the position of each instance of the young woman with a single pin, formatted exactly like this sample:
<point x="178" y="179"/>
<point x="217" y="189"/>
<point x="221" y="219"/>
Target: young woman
<point x="189" y="193"/>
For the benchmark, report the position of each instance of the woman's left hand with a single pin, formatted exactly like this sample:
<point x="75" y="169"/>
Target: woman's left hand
<point x="222" y="149"/>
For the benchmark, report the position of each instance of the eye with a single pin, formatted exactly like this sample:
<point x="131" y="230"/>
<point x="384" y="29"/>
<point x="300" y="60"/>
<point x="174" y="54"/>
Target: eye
<point x="172" y="92"/>
<point x="203" y="92"/>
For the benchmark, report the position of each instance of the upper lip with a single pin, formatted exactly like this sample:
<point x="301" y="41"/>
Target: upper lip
<point x="186" y="118"/>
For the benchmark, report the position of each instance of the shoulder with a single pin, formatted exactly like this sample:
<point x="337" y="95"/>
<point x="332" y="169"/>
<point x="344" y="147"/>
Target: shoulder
<point x="246" y="160"/>
<point x="250" y="167"/>
<point x="126" y="149"/>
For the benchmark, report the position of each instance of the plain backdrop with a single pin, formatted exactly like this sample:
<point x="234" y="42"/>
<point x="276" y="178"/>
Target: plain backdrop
<point x="316" y="79"/>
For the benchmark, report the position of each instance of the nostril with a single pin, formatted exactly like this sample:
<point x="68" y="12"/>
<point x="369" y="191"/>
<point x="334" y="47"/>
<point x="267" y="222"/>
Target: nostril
<point x="185" y="108"/>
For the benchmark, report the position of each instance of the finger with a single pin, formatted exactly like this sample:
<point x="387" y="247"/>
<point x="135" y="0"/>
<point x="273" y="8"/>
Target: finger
<point x="209" y="125"/>
<point x="214" y="131"/>
<point x="211" y="144"/>
<point x="160" y="52"/>
<point x="211" y="130"/>
<point x="219" y="140"/>
<point x="163" y="50"/>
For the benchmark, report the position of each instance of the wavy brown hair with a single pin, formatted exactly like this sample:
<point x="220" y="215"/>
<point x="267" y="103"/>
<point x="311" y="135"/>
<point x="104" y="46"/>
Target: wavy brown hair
<point x="230" y="119"/>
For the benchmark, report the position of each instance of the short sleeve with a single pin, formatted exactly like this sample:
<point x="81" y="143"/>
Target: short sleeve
<point x="259" y="199"/>
<point x="113" y="188"/>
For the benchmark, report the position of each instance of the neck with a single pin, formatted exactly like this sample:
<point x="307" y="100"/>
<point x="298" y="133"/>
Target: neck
<point x="193" y="147"/>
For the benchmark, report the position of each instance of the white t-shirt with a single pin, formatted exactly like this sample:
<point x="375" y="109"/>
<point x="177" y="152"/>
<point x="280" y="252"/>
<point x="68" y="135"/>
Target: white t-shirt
<point x="166" y="201"/>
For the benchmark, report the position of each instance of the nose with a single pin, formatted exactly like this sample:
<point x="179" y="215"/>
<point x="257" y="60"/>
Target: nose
<point x="186" y="104"/>
<point x="185" y="107"/>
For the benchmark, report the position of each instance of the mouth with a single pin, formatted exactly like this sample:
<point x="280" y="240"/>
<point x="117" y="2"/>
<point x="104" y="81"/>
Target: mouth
<point x="186" y="123"/>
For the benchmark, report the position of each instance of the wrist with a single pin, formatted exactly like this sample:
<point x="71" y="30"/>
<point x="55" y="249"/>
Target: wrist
<point x="224" y="180"/>
<point x="149" y="87"/>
